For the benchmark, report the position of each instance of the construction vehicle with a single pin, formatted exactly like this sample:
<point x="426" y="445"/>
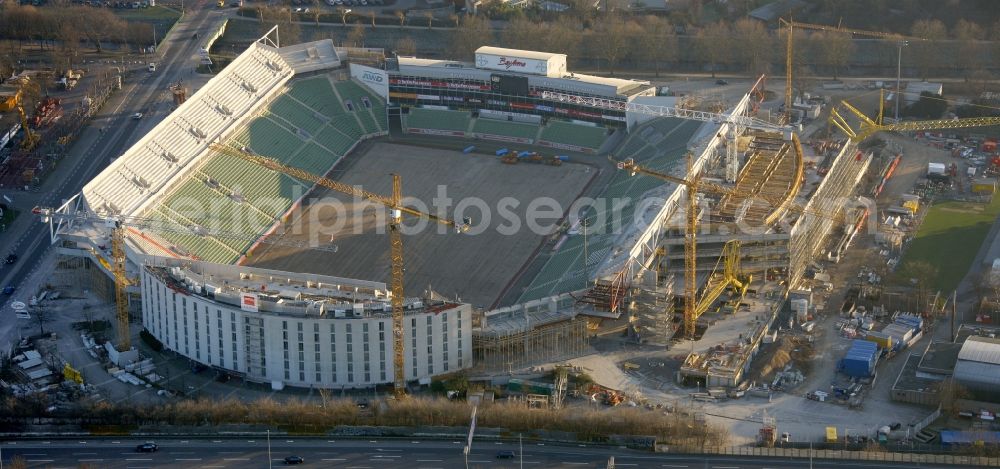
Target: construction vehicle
<point x="694" y="185"/>
<point x="509" y="159"/>
<point x="867" y="126"/>
<point x="120" y="227"/>
<point x="396" y="210"/>
<point x="72" y="374"/>
<point x="31" y="138"/>
<point x="789" y="56"/>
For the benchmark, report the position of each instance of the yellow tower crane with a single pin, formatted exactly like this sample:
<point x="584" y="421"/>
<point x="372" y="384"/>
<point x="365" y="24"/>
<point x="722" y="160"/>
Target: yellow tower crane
<point x="119" y="226"/>
<point x="692" y="309"/>
<point x="789" y="49"/>
<point x="867" y="126"/>
<point x="396" y="210"/>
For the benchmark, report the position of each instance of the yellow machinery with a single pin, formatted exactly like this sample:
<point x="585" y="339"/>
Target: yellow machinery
<point x="730" y="276"/>
<point x="789" y="57"/>
<point x="694" y="185"/>
<point x="119" y="225"/>
<point x="30" y="136"/>
<point x="72" y="374"/>
<point x="867" y="126"/>
<point x="396" y="210"/>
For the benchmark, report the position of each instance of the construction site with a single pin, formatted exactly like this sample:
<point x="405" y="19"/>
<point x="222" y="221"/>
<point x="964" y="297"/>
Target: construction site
<point x="507" y="222"/>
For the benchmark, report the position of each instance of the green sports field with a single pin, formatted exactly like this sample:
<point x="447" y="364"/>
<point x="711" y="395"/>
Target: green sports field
<point x="949" y="238"/>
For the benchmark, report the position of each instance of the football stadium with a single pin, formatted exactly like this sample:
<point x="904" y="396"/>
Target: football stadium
<point x="257" y="219"/>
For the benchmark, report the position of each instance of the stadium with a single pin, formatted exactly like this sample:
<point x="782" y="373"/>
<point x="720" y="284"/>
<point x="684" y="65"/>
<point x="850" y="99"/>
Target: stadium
<point x="282" y="280"/>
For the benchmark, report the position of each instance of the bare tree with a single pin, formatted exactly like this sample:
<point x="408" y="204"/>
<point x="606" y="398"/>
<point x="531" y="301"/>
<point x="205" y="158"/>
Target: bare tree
<point x="971" y="48"/>
<point x="657" y="42"/>
<point x="713" y="44"/>
<point x="564" y="36"/>
<point x="18" y="463"/>
<point x="835" y="50"/>
<point x="430" y="19"/>
<point x="471" y="33"/>
<point x="372" y="15"/>
<point x="611" y="40"/>
<point x="343" y="12"/>
<point x="752" y="45"/>
<point x="406" y="46"/>
<point x="401" y="15"/>
<point x="356" y="36"/>
<point x="927" y="53"/>
<point x="521" y="33"/>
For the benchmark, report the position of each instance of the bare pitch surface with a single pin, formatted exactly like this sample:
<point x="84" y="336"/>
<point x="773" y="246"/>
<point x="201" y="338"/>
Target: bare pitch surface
<point x="475" y="266"/>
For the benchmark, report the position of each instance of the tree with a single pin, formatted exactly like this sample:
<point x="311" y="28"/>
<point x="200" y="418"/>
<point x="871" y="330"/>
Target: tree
<point x="657" y="42"/>
<point x="835" y="50"/>
<point x="406" y="46"/>
<point x="401" y="15"/>
<point x="343" y="12"/>
<point x="356" y="36"/>
<point x="920" y="275"/>
<point x="471" y="33"/>
<point x="372" y="15"/>
<point x="612" y="41"/>
<point x="971" y="49"/>
<point x="712" y="44"/>
<point x="563" y="36"/>
<point x="522" y="33"/>
<point x="927" y="53"/>
<point x="430" y="19"/>
<point x="928" y="106"/>
<point x="752" y="45"/>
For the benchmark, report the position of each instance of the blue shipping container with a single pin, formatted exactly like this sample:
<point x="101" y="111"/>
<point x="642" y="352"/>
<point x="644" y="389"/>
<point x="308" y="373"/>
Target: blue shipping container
<point x="563" y="158"/>
<point x="469" y="149"/>
<point x="502" y="151"/>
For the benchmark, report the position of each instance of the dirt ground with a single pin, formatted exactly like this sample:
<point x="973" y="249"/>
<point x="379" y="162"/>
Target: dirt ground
<point x="474" y="266"/>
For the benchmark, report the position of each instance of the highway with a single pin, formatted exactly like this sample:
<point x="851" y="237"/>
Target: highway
<point x="110" y="133"/>
<point x="245" y="453"/>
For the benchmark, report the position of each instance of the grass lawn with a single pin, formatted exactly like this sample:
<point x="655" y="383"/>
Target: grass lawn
<point x="950" y="237"/>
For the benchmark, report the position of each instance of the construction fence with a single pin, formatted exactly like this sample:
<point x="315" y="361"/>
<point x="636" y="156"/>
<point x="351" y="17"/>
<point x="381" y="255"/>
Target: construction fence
<point x="834" y="454"/>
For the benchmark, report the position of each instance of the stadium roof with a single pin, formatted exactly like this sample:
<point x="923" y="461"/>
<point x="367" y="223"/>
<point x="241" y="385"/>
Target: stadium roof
<point x="311" y="56"/>
<point x="526" y="54"/>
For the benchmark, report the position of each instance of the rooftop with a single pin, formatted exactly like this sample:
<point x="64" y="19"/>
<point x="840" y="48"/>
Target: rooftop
<point x="527" y="54"/>
<point x="981" y="349"/>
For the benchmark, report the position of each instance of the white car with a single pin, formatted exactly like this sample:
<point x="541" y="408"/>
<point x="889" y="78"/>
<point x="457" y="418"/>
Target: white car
<point x="137" y="116"/>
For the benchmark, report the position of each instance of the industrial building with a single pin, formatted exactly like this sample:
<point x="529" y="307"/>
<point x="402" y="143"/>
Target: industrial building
<point x="978" y="368"/>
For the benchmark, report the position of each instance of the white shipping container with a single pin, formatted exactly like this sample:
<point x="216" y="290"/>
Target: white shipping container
<point x="936" y="168"/>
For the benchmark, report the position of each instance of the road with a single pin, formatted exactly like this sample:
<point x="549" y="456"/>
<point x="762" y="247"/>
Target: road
<point x="111" y="132"/>
<point x="247" y="453"/>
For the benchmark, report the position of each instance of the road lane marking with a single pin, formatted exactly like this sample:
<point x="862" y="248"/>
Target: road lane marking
<point x="187" y="459"/>
<point x="138" y="459"/>
<point x="39" y="460"/>
<point x="334" y="459"/>
<point x="725" y="467"/>
<point x="235" y="459"/>
<point x="575" y="463"/>
<point x="672" y="465"/>
<point x="36" y="454"/>
<point x="428" y="460"/>
<point x="84" y="454"/>
<point x="89" y="460"/>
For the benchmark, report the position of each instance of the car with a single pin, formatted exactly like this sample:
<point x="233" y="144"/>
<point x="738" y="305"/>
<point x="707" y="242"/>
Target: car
<point x="505" y="454"/>
<point x="147" y="448"/>
<point x="11" y="258"/>
<point x="298" y="10"/>
<point x="9" y="290"/>
<point x="721" y="82"/>
<point x="137" y="116"/>
<point x="294" y="460"/>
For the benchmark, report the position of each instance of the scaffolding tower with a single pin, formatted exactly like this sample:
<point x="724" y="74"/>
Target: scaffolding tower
<point x="506" y="349"/>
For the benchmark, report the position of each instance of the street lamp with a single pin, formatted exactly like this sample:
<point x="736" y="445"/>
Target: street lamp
<point x="899" y="63"/>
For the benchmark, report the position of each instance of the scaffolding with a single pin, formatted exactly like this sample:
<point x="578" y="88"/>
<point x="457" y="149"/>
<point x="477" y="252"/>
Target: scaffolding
<point x="504" y="349"/>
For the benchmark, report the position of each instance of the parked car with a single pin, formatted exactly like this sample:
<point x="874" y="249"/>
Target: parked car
<point x="137" y="116"/>
<point x="721" y="82"/>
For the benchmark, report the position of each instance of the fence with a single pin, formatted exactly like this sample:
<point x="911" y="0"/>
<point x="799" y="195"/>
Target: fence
<point x="802" y="453"/>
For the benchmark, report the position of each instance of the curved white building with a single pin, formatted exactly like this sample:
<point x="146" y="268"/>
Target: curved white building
<point x="300" y="330"/>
